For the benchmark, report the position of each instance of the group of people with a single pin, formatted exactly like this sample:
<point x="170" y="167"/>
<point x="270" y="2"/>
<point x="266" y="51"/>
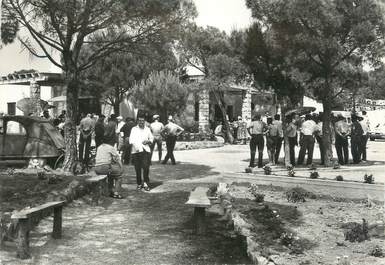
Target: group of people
<point x="305" y="133"/>
<point x="121" y="142"/>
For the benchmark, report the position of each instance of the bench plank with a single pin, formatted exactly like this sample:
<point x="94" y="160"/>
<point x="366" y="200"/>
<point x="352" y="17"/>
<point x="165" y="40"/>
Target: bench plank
<point x="198" y="198"/>
<point x="23" y="214"/>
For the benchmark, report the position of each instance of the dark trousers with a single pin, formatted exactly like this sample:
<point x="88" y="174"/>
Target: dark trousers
<point x="342" y="149"/>
<point x="364" y="142"/>
<point x="170" y="145"/>
<point x="87" y="143"/>
<point x="356" y="146"/>
<point x="257" y="140"/>
<point x="158" y="143"/>
<point x="292" y="144"/>
<point x="141" y="161"/>
<point x="126" y="151"/>
<point x="307" y="144"/>
<point x="321" y="149"/>
<point x="278" y="146"/>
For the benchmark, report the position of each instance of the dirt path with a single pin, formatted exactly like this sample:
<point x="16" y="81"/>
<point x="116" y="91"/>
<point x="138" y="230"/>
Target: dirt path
<point x="143" y="228"/>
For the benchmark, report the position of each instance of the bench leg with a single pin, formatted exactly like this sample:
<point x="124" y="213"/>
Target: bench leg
<point x="200" y="223"/>
<point x="23" y="240"/>
<point x="57" y="222"/>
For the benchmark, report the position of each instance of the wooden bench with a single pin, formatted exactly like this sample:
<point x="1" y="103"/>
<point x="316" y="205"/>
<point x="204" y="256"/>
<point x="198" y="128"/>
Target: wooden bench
<point x="99" y="186"/>
<point x="24" y="224"/>
<point x="199" y="200"/>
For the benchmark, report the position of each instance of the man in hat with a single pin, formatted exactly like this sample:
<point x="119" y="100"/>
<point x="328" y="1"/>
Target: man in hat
<point x="342" y="130"/>
<point x="141" y="139"/>
<point x="356" y="139"/>
<point x="171" y="131"/>
<point x="156" y="129"/>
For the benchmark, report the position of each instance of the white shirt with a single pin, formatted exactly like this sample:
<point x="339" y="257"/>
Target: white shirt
<point x="365" y="127"/>
<point x="156" y="128"/>
<point x="120" y="125"/>
<point x="309" y="127"/>
<point x="138" y="136"/>
<point x="279" y="127"/>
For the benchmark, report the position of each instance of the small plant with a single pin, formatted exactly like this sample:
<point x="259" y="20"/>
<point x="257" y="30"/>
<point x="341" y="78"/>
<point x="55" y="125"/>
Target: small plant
<point x="267" y="170"/>
<point x="299" y="194"/>
<point x="312" y="167"/>
<point x="248" y="170"/>
<point x="314" y="175"/>
<point x="340" y="178"/>
<point x="290" y="171"/>
<point x="259" y="197"/>
<point x="41" y="175"/>
<point x="377" y="251"/>
<point x="287" y="239"/>
<point x="357" y="232"/>
<point x="369" y="179"/>
<point x="336" y="165"/>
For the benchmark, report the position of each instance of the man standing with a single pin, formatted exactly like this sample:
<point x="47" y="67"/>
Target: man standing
<point x="318" y="136"/>
<point x="277" y="122"/>
<point x="171" y="130"/>
<point x="99" y="130"/>
<point x="308" y="129"/>
<point x="256" y="129"/>
<point x="126" y="131"/>
<point x="141" y="138"/>
<point x="291" y="131"/>
<point x="107" y="162"/>
<point x="119" y="138"/>
<point x="86" y="129"/>
<point x="110" y="131"/>
<point x="364" y="140"/>
<point x="356" y="138"/>
<point x="342" y="131"/>
<point x="156" y="129"/>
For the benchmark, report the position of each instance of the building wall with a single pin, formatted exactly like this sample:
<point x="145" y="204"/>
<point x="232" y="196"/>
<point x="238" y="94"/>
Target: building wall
<point x="14" y="93"/>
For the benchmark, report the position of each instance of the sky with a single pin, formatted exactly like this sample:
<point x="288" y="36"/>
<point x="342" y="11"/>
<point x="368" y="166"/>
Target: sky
<point x="223" y="14"/>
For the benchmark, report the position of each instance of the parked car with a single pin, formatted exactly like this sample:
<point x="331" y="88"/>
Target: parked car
<point x="378" y="132"/>
<point x="26" y="138"/>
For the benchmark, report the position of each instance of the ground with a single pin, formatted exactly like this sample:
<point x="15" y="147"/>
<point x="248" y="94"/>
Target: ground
<point x="155" y="227"/>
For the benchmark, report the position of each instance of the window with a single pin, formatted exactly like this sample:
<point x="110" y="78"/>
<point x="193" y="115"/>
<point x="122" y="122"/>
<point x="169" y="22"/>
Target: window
<point x="11" y="108"/>
<point x="14" y="127"/>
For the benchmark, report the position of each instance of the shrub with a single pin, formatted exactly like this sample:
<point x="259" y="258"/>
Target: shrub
<point x="357" y="232"/>
<point x="298" y="194"/>
<point x="340" y="178"/>
<point x="369" y="179"/>
<point x="336" y="165"/>
<point x="290" y="171"/>
<point x="41" y="175"/>
<point x="248" y="170"/>
<point x="377" y="251"/>
<point x="259" y="197"/>
<point x="314" y="175"/>
<point x="267" y="170"/>
<point x="313" y="167"/>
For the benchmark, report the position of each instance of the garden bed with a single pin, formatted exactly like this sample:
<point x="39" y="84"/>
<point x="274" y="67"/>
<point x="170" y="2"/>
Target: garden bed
<point x="310" y="232"/>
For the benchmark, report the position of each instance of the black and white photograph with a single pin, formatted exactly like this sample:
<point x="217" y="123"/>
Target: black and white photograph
<point x="202" y="132"/>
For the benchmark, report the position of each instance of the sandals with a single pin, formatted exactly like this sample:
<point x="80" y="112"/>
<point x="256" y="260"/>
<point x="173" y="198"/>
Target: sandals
<point x="116" y="196"/>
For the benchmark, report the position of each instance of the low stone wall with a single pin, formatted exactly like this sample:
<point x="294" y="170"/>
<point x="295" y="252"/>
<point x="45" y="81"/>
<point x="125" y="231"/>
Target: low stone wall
<point x="190" y="145"/>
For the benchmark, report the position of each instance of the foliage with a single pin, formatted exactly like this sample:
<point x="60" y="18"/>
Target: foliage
<point x="248" y="170"/>
<point x="356" y="232"/>
<point x="161" y="92"/>
<point x="369" y="179"/>
<point x="376" y="84"/>
<point x="267" y="170"/>
<point x="290" y="171"/>
<point x="9" y="27"/>
<point x="314" y="175"/>
<point x="340" y="178"/>
<point x="377" y="251"/>
<point x="336" y="165"/>
<point x="298" y="194"/>
<point x="259" y="197"/>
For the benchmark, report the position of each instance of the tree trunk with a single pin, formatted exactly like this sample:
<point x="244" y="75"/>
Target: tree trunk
<point x="71" y="81"/>
<point x="326" y="132"/>
<point x="117" y="108"/>
<point x="222" y="105"/>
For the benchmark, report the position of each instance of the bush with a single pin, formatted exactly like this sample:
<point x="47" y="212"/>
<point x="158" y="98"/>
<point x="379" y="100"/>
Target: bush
<point x="259" y="197"/>
<point x="248" y="170"/>
<point x="336" y="165"/>
<point x="314" y="175"/>
<point x="313" y="167"/>
<point x="357" y="232"/>
<point x="377" y="251"/>
<point x="340" y="178"/>
<point x="290" y="171"/>
<point x="267" y="170"/>
<point x="298" y="194"/>
<point x="369" y="179"/>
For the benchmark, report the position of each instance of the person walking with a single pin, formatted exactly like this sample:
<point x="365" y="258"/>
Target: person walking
<point x="156" y="129"/>
<point x="126" y="147"/>
<point x="308" y="129"/>
<point x="99" y="130"/>
<point x="364" y="121"/>
<point x="277" y="122"/>
<point x="107" y="162"/>
<point x="342" y="131"/>
<point x="141" y="138"/>
<point x="256" y="129"/>
<point x="171" y="131"/>
<point x="86" y="129"/>
<point x="291" y="131"/>
<point x="356" y="139"/>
